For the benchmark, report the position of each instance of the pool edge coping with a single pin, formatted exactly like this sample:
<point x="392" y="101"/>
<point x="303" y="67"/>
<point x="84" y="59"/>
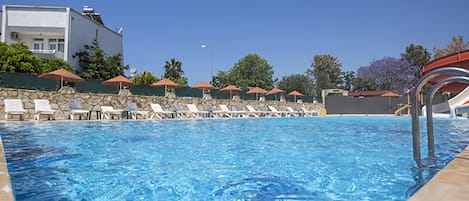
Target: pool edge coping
<point x="6" y="192"/>
<point x="450" y="183"/>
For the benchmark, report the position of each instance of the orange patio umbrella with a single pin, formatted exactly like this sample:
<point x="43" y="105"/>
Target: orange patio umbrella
<point x="166" y="83"/>
<point x="62" y="75"/>
<point x="230" y="88"/>
<point x="257" y="91"/>
<point x="275" y="91"/>
<point x="390" y="94"/>
<point x="203" y="86"/>
<point x="118" y="81"/>
<point x="295" y="94"/>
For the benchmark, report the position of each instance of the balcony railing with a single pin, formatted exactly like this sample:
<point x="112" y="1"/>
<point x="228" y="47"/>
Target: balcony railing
<point x="49" y="54"/>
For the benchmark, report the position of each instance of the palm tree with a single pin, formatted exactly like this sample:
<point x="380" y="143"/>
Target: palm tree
<point x="173" y="69"/>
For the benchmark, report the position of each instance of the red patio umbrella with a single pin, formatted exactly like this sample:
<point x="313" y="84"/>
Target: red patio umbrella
<point x="275" y="91"/>
<point x="166" y="83"/>
<point x="118" y="81"/>
<point x="231" y="88"/>
<point x="61" y="75"/>
<point x="295" y="94"/>
<point x="257" y="91"/>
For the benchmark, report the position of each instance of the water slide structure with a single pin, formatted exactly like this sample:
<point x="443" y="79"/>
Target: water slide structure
<point x="461" y="100"/>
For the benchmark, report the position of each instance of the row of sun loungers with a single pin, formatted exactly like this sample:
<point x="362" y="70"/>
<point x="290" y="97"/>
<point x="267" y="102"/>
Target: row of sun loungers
<point x="15" y="107"/>
<point x="42" y="107"/>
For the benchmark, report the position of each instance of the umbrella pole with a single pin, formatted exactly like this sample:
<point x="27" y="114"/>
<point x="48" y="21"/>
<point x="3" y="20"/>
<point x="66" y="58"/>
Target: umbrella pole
<point x="231" y="96"/>
<point x="165" y="89"/>
<point x="61" y="81"/>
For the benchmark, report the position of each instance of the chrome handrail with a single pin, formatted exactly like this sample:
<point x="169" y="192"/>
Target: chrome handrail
<point x="429" y="109"/>
<point x="455" y="71"/>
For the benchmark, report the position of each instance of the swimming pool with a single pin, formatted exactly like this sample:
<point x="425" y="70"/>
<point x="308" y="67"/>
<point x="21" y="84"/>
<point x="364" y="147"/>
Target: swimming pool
<point x="333" y="158"/>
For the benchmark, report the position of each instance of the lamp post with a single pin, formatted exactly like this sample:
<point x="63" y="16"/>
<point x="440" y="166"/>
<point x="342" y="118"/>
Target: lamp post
<point x="211" y="55"/>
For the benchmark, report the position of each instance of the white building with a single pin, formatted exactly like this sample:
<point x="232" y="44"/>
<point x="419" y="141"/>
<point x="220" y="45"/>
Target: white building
<point x="54" y="32"/>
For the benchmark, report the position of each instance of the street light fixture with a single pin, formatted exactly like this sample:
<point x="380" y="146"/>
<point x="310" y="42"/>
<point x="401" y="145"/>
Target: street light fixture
<point x="211" y="55"/>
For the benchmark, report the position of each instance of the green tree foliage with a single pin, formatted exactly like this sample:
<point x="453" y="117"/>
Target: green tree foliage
<point x="173" y="71"/>
<point x="95" y="64"/>
<point x="348" y="78"/>
<point x="17" y="57"/>
<point x="49" y="65"/>
<point x="364" y="84"/>
<point x="299" y="82"/>
<point x="326" y="72"/>
<point x="183" y="82"/>
<point x="145" y="78"/>
<point x="250" y="71"/>
<point x="220" y="80"/>
<point x="457" y="45"/>
<point x="416" y="55"/>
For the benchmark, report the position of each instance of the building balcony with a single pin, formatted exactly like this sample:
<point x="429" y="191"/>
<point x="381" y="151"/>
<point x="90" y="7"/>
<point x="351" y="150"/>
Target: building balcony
<point x="48" y="54"/>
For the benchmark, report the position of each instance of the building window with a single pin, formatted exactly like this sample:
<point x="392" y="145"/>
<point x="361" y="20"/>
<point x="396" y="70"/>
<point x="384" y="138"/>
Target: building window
<point x="56" y="44"/>
<point x="38" y="44"/>
<point x="52" y="44"/>
<point x="60" y="45"/>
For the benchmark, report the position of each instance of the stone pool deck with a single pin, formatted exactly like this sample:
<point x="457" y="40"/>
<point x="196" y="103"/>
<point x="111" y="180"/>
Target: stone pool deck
<point x="451" y="183"/>
<point x="6" y="192"/>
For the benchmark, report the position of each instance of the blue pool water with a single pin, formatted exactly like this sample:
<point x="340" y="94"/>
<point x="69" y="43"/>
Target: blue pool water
<point x="333" y="158"/>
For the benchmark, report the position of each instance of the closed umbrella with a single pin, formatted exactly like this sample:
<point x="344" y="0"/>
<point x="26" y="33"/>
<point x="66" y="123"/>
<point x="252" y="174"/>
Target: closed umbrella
<point x="257" y="91"/>
<point x="119" y="81"/>
<point x="166" y="83"/>
<point x="231" y="89"/>
<point x="61" y="75"/>
<point x="295" y="94"/>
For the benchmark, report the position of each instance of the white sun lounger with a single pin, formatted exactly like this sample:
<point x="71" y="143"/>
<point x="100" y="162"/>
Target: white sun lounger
<point x="196" y="113"/>
<point x="223" y="112"/>
<point x="108" y="112"/>
<point x="234" y="113"/>
<point x="135" y="112"/>
<point x="42" y="107"/>
<point x="276" y="112"/>
<point x="77" y="109"/>
<point x="253" y="112"/>
<point x="158" y="112"/>
<point x="14" y="107"/>
<point x="239" y="111"/>
<point x="292" y="112"/>
<point x="308" y="113"/>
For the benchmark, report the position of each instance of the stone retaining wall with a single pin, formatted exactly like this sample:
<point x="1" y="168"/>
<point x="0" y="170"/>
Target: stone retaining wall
<point x="60" y="101"/>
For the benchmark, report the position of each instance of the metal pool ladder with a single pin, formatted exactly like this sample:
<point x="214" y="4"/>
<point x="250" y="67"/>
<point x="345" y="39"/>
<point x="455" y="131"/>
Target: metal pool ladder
<point x="455" y="74"/>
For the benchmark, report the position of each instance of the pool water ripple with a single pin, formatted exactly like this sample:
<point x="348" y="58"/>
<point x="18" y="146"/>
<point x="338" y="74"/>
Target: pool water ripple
<point x="238" y="159"/>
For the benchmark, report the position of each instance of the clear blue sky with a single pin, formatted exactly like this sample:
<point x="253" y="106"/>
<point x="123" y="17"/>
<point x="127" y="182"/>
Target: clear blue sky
<point x="288" y="33"/>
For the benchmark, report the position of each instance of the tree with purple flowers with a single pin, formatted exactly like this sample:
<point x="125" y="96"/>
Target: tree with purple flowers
<point x="390" y="74"/>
